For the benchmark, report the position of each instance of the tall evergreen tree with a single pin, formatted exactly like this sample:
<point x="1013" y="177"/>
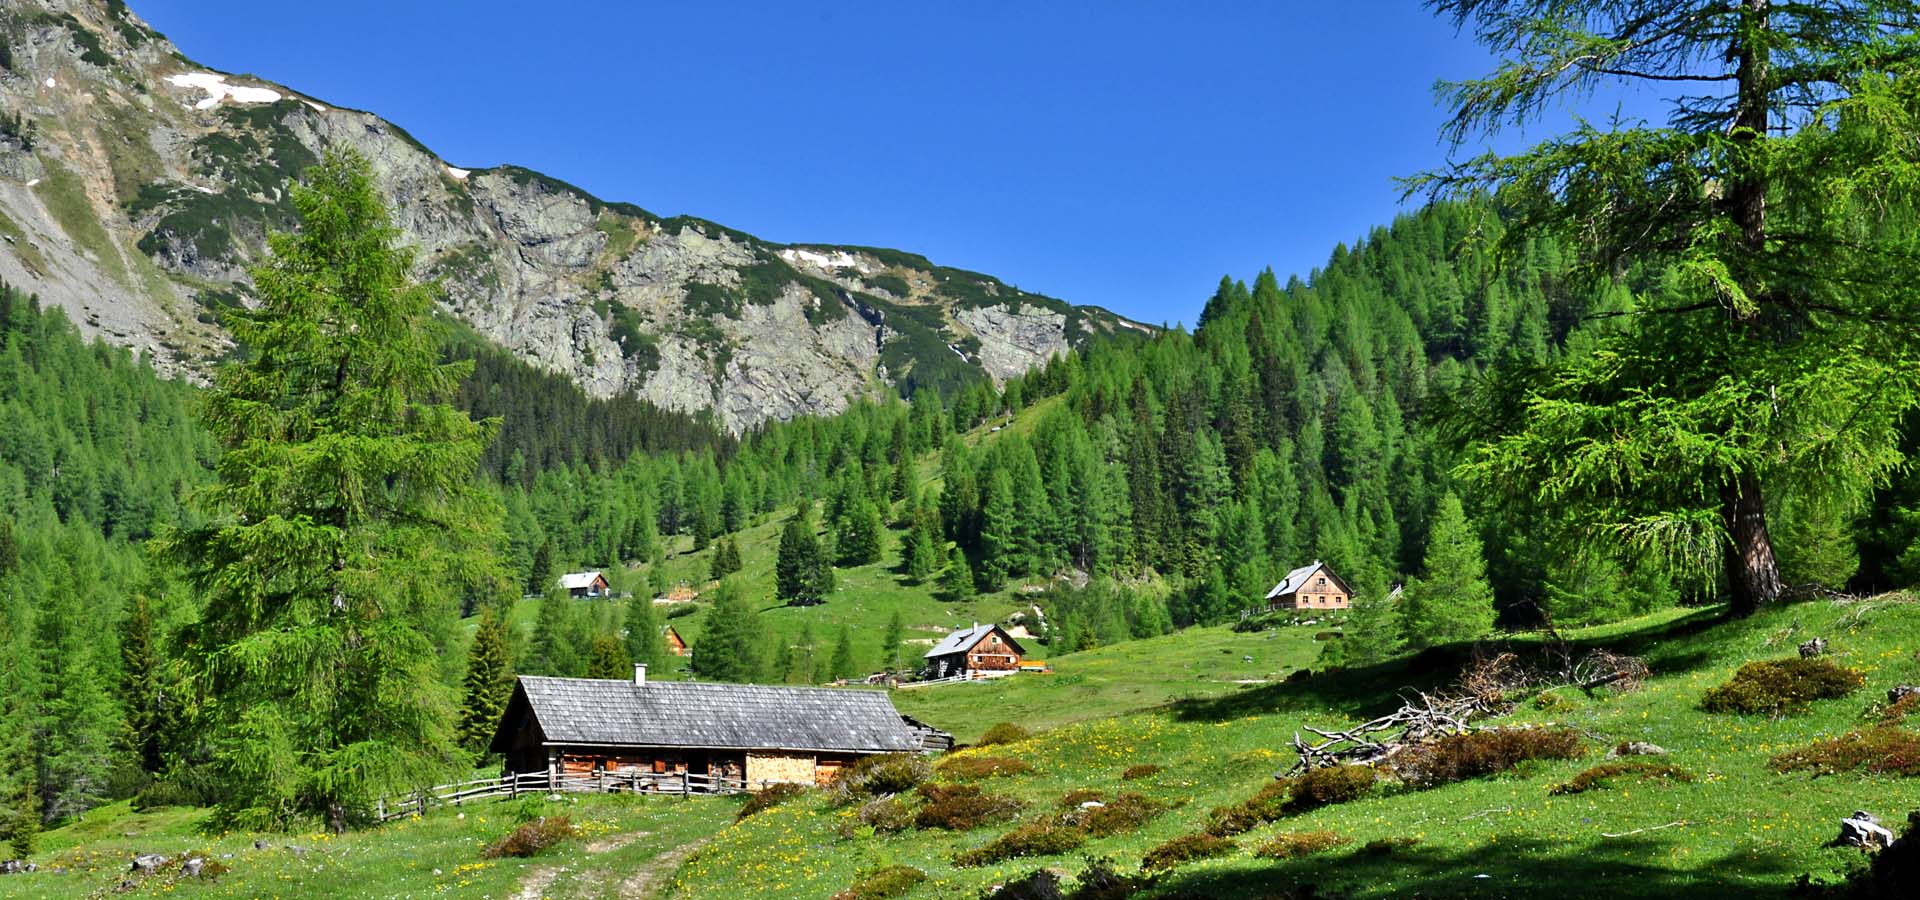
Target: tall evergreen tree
<point x="843" y="665"/>
<point x="731" y="647"/>
<point x="802" y="573"/>
<point x="726" y="558"/>
<point x="553" y="650"/>
<point x="1774" y="346"/>
<point x="607" y="658"/>
<point x="345" y="508"/>
<point x="488" y="683"/>
<point x="1450" y="601"/>
<point x="890" y="641"/>
<point x="645" y="642"/>
<point x="143" y="687"/>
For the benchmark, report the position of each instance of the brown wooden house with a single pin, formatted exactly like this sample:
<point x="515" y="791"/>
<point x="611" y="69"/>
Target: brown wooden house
<point x="676" y="644"/>
<point x="979" y="651"/>
<point x="585" y="584"/>
<point x="1310" y="587"/>
<point x="758" y="733"/>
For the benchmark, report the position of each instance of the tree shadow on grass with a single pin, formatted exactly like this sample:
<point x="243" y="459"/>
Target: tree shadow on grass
<point x="1366" y="691"/>
<point x="1628" y="867"/>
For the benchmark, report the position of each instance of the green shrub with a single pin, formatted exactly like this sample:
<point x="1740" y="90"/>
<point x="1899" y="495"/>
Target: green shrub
<point x="1266" y="805"/>
<point x="962" y="807"/>
<point x="1330" y="785"/>
<point x="1144" y="770"/>
<point x="1073" y="799"/>
<point x="1782" y="686"/>
<point x="1033" y="839"/>
<point x="973" y="768"/>
<point x="1552" y="701"/>
<point x="879" y="776"/>
<point x="533" y="837"/>
<point x="885" y="815"/>
<point x="1127" y="812"/>
<point x="1100" y="882"/>
<point x="1185" y="849"/>
<point x="682" y="610"/>
<point x="1003" y="733"/>
<point x="769" y="797"/>
<point x="892" y="284"/>
<point x="1458" y="757"/>
<point x="1882" y="750"/>
<point x="1605" y="775"/>
<point x="1299" y="843"/>
<point x="882" y="884"/>
<point x="1388" y="846"/>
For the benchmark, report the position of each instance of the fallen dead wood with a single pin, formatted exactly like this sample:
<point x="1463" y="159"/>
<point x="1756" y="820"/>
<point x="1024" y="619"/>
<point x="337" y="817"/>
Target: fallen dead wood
<point x="1643" y="830"/>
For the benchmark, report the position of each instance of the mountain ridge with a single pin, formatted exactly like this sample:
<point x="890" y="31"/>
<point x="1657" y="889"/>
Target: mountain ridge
<point x="136" y="186"/>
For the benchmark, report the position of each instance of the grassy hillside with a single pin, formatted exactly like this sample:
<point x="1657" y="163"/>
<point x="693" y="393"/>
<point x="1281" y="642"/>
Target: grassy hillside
<point x="627" y="843"/>
<point x="1738" y="828"/>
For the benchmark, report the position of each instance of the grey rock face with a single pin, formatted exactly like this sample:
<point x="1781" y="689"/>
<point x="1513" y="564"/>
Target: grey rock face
<point x="151" y="184"/>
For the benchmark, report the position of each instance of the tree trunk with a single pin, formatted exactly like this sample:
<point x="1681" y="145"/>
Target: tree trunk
<point x="336" y="818"/>
<point x="1747" y="199"/>
<point x="1753" y="575"/>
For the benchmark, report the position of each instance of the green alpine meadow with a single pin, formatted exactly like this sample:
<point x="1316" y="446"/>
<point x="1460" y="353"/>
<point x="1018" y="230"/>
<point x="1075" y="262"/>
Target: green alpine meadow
<point x="373" y="526"/>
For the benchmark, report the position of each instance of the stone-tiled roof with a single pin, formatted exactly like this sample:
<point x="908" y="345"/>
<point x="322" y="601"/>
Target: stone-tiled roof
<point x="708" y="715"/>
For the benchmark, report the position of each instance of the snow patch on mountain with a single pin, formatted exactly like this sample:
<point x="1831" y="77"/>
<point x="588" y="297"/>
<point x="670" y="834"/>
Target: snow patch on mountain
<point x="218" y="89"/>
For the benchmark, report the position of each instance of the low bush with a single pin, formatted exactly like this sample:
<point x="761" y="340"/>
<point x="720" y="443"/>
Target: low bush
<point x="682" y="610"/>
<point x="1299" y="843"/>
<point x="1458" y="757"/>
<point x="1186" y="849"/>
<point x="886" y="815"/>
<point x="879" y="776"/>
<point x="1782" y="687"/>
<point x="1100" y="882"/>
<point x="1266" y="805"/>
<point x="1074" y="798"/>
<point x="1897" y="711"/>
<point x="1388" y="846"/>
<point x="1882" y="750"/>
<point x="1144" y="770"/>
<point x="1606" y="775"/>
<point x="1034" y="839"/>
<point x="533" y="837"/>
<point x="769" y="797"/>
<point x="882" y="884"/>
<point x="1003" y="733"/>
<point x="1551" y="701"/>
<point x="973" y="768"/>
<point x="962" y="807"/>
<point x="1330" y="785"/>
<point x="1127" y="812"/>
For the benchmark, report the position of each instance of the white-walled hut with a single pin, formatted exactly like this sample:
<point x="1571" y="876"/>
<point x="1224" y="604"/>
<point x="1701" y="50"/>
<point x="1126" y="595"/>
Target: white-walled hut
<point x="760" y="734"/>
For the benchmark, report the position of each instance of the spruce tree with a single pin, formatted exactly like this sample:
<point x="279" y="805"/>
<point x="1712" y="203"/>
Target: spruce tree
<point x="1450" y="601"/>
<point x="726" y="558"/>
<point x="541" y="576"/>
<point x="346" y="506"/>
<point x="489" y="683"/>
<point x="797" y="569"/>
<point x="552" y="650"/>
<point x="143" y="687"/>
<point x="1373" y="632"/>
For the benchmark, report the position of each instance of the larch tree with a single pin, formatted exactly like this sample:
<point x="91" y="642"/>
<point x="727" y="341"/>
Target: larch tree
<point x="731" y="648"/>
<point x="645" y="642"/>
<point x="607" y="658"/>
<point x="345" y="521"/>
<point x="891" y="640"/>
<point x="843" y="664"/>
<point x="1773" y="344"/>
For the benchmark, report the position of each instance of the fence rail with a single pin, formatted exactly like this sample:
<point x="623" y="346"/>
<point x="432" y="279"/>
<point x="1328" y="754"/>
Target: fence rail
<point x="460" y="793"/>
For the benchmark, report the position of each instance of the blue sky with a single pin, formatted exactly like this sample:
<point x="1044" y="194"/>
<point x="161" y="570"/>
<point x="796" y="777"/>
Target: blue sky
<point x="1120" y="154"/>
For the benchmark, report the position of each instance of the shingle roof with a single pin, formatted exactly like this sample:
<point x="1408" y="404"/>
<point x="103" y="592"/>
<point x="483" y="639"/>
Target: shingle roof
<point x="960" y="641"/>
<point x="576" y="580"/>
<point x="710" y="715"/>
<point x="1295" y="580"/>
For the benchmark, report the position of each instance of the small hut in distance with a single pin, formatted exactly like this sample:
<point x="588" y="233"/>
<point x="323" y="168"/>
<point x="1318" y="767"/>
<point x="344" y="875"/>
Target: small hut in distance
<point x="584" y="584"/>
<point x="1312" y="586"/>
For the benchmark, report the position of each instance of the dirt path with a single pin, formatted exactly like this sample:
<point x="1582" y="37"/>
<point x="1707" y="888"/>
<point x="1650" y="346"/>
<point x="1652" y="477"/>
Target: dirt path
<point x="645" y="881"/>
<point x="640" y="883"/>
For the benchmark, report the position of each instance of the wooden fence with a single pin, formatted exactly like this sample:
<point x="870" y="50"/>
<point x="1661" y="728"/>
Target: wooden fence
<point x="685" y="784"/>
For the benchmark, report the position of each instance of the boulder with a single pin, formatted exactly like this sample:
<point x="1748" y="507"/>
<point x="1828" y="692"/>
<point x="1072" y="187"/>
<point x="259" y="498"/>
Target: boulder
<point x="1041" y="885"/>
<point x="1813" y="648"/>
<point x="1637" y="748"/>
<point x="146" y="863"/>
<point x="15" y="867"/>
<point x="1902" y="692"/>
<point x="1863" y="830"/>
<point x="193" y="867"/>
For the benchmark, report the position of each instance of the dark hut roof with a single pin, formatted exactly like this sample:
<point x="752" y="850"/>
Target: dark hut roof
<point x="587" y="711"/>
